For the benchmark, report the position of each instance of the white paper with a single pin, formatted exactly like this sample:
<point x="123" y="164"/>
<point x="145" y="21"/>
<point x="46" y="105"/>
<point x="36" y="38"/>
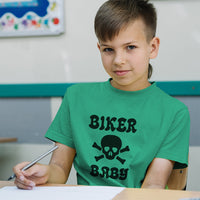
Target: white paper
<point x="190" y="199"/>
<point x="61" y="193"/>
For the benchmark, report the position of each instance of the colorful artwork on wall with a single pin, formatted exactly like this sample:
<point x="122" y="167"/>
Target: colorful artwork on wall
<point x="31" y="17"/>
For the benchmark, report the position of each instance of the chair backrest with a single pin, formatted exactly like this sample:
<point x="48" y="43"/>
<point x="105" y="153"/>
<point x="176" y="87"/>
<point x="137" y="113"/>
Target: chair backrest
<point x="178" y="179"/>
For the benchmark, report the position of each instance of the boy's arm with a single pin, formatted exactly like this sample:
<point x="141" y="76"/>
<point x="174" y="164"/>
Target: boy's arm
<point x="56" y="172"/>
<point x="61" y="163"/>
<point x="158" y="173"/>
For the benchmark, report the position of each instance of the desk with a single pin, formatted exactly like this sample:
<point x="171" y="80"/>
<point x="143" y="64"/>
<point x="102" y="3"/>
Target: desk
<point x="6" y="183"/>
<point x="3" y="140"/>
<point x="155" y="194"/>
<point x="138" y="194"/>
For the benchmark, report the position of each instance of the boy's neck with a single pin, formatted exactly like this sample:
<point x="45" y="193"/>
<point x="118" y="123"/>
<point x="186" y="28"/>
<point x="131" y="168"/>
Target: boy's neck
<point x="131" y="87"/>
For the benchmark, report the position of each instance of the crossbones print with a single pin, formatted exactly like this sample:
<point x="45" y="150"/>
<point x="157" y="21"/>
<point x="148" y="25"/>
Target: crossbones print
<point x="110" y="147"/>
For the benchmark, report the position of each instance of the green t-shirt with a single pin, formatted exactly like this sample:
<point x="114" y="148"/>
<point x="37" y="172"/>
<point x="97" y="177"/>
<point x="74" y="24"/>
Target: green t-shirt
<point x="118" y="133"/>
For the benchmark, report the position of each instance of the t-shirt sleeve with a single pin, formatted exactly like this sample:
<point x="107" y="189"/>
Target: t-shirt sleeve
<point x="60" y="128"/>
<point x="176" y="144"/>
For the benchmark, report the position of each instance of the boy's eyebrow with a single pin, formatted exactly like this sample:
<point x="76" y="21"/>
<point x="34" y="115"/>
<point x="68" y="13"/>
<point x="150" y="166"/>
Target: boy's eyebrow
<point x="125" y="44"/>
<point x="131" y="42"/>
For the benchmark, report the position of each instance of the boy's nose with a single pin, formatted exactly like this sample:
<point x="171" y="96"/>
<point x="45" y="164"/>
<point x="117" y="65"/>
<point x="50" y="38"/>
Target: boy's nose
<point x="119" y="58"/>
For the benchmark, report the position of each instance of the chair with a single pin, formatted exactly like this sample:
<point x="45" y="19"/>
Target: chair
<point x="178" y="179"/>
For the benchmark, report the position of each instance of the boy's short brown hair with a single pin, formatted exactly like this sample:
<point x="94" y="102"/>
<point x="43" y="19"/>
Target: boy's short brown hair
<point x="115" y="15"/>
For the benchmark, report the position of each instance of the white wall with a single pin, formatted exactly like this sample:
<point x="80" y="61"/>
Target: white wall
<point x="179" y="31"/>
<point x="73" y="56"/>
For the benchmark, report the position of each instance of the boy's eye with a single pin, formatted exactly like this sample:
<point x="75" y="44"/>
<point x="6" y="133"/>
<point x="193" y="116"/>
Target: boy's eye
<point x="107" y="50"/>
<point x="131" y="47"/>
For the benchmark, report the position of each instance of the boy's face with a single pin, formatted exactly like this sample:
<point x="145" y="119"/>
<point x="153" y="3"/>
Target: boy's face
<point x="126" y="57"/>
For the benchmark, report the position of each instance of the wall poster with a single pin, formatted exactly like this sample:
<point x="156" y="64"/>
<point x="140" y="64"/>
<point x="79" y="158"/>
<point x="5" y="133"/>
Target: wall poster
<point x="31" y="17"/>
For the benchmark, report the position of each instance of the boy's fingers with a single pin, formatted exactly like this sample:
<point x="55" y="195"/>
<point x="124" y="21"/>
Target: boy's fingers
<point x="37" y="174"/>
<point x="34" y="171"/>
<point x="27" y="173"/>
<point x="17" y="169"/>
<point x="23" y="183"/>
<point x="21" y="179"/>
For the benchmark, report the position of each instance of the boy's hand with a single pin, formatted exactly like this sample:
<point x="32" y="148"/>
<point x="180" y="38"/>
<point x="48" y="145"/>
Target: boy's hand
<point x="35" y="175"/>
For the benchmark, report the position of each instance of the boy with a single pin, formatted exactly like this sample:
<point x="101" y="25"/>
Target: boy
<point x="123" y="132"/>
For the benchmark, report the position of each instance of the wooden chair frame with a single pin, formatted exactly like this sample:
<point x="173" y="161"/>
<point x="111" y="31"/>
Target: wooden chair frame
<point x="178" y="179"/>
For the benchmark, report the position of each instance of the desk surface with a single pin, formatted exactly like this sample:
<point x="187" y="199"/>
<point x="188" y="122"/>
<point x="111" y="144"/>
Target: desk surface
<point x="138" y="194"/>
<point x="3" y="140"/>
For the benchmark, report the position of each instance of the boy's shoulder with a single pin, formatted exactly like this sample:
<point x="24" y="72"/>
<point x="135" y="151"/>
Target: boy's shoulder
<point x="85" y="87"/>
<point x="170" y="100"/>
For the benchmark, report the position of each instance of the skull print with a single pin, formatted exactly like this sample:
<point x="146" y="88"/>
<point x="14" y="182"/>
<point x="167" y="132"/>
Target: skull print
<point x="111" y="148"/>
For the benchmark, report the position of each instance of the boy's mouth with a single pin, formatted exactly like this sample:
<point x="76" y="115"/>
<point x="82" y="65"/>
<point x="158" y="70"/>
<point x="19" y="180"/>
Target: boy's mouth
<point x="121" y="72"/>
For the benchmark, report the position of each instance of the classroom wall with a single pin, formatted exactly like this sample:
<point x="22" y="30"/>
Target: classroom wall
<point x="74" y="57"/>
<point x="70" y="57"/>
<point x="179" y="32"/>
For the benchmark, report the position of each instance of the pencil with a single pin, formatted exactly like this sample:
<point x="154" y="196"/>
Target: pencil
<point x="34" y="161"/>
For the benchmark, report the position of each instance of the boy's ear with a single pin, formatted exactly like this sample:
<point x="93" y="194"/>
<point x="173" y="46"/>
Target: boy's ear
<point x="98" y="45"/>
<point x="155" y="43"/>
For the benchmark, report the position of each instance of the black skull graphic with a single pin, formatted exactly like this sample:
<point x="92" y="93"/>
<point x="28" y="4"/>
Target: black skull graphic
<point x="110" y="147"/>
